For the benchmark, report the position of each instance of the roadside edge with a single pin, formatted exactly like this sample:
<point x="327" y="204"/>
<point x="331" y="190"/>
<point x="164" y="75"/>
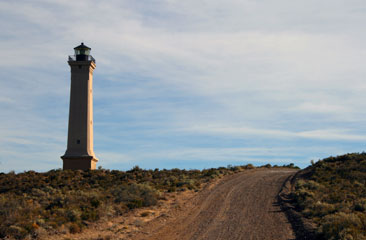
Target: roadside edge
<point x="303" y="228"/>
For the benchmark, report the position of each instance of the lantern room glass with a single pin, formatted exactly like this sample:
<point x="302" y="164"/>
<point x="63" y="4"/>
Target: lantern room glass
<point x="83" y="51"/>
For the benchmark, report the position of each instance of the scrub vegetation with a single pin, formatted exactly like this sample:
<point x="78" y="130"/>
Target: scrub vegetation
<point x="32" y="204"/>
<point x="332" y="193"/>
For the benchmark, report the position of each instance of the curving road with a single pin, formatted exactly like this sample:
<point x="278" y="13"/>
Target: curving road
<point x="242" y="206"/>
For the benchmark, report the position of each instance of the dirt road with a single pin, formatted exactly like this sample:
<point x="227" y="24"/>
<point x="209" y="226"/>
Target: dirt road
<point x="242" y="206"/>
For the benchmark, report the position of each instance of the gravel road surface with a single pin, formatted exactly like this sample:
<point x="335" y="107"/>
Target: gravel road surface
<point x="241" y="206"/>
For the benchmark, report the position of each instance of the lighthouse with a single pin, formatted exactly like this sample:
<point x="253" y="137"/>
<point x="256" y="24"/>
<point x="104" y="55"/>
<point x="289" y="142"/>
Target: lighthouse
<point x="79" y="154"/>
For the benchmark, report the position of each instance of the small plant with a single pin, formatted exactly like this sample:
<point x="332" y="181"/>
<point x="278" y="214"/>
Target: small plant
<point x="74" y="228"/>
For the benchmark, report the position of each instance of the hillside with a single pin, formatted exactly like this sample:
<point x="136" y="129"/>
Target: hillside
<point x="332" y="193"/>
<point x="32" y="204"/>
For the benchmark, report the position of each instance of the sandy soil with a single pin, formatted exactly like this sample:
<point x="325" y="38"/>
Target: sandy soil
<point x="241" y="206"/>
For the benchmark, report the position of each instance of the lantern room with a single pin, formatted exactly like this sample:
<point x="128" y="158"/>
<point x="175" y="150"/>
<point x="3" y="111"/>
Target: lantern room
<point x="82" y="52"/>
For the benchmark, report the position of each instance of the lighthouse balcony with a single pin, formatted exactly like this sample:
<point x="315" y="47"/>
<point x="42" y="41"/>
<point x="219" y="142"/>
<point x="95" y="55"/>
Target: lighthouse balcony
<point x="73" y="58"/>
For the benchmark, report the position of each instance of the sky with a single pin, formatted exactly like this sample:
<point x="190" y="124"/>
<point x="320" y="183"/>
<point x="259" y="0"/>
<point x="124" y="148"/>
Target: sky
<point x="185" y="84"/>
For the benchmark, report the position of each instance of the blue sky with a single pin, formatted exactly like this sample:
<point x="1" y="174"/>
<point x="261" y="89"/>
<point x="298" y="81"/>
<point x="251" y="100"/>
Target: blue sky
<point x="187" y="84"/>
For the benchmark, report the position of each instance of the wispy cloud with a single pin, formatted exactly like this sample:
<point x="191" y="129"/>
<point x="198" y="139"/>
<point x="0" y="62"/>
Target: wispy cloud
<point x="324" y="134"/>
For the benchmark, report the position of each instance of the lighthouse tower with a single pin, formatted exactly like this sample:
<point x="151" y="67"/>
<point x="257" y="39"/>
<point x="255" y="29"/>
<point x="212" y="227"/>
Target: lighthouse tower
<point x="79" y="154"/>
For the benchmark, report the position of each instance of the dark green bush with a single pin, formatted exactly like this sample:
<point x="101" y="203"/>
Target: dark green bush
<point x="135" y="195"/>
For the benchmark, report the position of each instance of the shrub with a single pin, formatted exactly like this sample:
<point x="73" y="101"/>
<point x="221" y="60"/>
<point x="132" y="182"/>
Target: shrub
<point x="248" y="166"/>
<point x="360" y="205"/>
<point x="17" y="232"/>
<point x="74" y="228"/>
<point x="343" y="226"/>
<point x="135" y="195"/>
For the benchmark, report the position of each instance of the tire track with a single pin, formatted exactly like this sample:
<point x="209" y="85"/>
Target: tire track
<point x="241" y="206"/>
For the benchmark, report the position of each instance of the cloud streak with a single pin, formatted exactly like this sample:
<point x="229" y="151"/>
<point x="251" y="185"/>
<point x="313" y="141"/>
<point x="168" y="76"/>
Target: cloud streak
<point x="324" y="134"/>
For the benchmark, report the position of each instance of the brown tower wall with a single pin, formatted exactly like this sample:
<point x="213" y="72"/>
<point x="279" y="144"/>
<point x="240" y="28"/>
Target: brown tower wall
<point x="79" y="153"/>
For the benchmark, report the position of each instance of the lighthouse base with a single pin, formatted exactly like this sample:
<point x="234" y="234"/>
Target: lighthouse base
<point x="79" y="163"/>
